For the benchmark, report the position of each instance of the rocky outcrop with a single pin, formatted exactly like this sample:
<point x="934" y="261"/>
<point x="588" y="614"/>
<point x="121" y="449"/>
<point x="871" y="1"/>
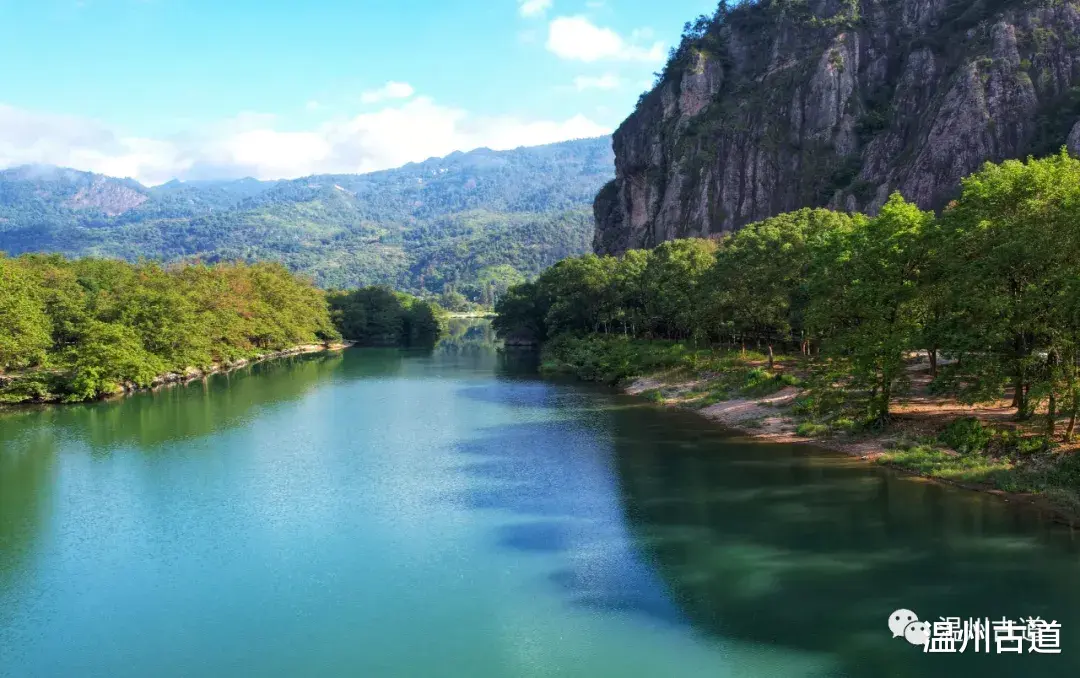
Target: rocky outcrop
<point x="111" y="196"/>
<point x="781" y="104"/>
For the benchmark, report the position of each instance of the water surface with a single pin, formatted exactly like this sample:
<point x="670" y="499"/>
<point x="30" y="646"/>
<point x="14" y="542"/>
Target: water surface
<point x="388" y="513"/>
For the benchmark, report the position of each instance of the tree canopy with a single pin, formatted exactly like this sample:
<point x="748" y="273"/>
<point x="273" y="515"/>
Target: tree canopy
<point x="85" y="328"/>
<point x="994" y="282"/>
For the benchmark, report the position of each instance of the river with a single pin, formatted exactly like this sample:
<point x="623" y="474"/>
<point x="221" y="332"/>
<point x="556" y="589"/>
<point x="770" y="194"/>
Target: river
<point x="394" y="513"/>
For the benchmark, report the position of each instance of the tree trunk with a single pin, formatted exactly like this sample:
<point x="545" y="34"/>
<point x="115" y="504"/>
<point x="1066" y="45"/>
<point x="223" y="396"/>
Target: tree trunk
<point x="1051" y="414"/>
<point x="886" y="396"/>
<point x="770" y="356"/>
<point x="1074" y="406"/>
<point x="1020" y="394"/>
<point x="932" y="354"/>
<point x="1051" y="406"/>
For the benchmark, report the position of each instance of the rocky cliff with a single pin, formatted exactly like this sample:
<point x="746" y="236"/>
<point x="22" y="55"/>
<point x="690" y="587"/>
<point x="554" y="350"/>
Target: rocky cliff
<point x="779" y="104"/>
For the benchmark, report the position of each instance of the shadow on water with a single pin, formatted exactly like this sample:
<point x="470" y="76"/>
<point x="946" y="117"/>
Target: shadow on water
<point x="560" y="495"/>
<point x="658" y="513"/>
<point x="788" y="546"/>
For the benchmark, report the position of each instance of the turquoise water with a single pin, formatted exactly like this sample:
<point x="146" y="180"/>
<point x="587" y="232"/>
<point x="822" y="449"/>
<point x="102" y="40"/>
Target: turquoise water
<point x="385" y="513"/>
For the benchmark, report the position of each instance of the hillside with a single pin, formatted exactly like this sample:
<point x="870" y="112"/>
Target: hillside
<point x="474" y="221"/>
<point x="771" y="106"/>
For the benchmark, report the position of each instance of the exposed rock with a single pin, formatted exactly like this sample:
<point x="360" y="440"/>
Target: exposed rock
<point x="108" y="195"/>
<point x="789" y="103"/>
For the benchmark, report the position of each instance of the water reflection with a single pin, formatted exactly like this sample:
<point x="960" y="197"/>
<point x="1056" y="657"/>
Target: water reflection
<point x="507" y="521"/>
<point x="204" y="407"/>
<point x="467" y="335"/>
<point x="780" y="545"/>
<point x="26" y="483"/>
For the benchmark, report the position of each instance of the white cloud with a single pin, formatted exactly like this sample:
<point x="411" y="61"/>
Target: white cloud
<point x="578" y="39"/>
<point x="254" y="145"/>
<point x="391" y="90"/>
<point x="312" y="105"/>
<point x="534" y="8"/>
<point x="607" y="81"/>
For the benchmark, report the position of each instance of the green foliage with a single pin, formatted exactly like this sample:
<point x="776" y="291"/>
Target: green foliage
<point x="809" y="429"/>
<point x="653" y="395"/>
<point x="760" y="382"/>
<point x="1011" y="252"/>
<point x="609" y="359"/>
<point x="994" y="283"/>
<point x="1011" y="443"/>
<point x="936" y="463"/>
<point x="24" y="326"/>
<point x="377" y="316"/>
<point x="760" y="283"/>
<point x="967" y="435"/>
<point x="92" y="327"/>
<point x="868" y="299"/>
<point x="476" y="222"/>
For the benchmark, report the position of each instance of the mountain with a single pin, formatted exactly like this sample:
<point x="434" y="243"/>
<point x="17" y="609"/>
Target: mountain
<point x="773" y="105"/>
<point x="467" y="221"/>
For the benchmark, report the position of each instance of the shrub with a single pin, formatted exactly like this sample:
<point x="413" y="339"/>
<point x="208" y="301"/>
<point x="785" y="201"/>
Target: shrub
<point x="761" y="382"/>
<point x="844" y="424"/>
<point x="1067" y="471"/>
<point x="1013" y="443"/>
<point x="809" y="429"/>
<point x="967" y="435"/>
<point x="653" y="395"/>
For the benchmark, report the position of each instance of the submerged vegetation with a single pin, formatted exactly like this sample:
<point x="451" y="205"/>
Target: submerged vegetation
<point x="988" y="291"/>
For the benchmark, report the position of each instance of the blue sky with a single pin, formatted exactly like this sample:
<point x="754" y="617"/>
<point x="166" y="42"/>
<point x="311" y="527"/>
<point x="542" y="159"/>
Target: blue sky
<point x="156" y="89"/>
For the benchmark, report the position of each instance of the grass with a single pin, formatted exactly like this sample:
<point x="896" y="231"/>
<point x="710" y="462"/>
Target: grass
<point x="809" y="429"/>
<point x="653" y="395"/>
<point x="1054" y="476"/>
<point x="934" y="462"/>
<point x="614" y="359"/>
<point x="967" y="451"/>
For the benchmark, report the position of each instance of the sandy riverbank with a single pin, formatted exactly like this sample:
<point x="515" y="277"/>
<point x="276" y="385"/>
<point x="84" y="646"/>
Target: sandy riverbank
<point x="769" y="419"/>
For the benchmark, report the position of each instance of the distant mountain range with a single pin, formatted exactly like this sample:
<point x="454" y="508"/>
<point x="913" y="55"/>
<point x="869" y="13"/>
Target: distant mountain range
<point x="467" y="221"/>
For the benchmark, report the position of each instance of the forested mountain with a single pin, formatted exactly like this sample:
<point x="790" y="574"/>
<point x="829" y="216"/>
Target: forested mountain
<point x="475" y="222"/>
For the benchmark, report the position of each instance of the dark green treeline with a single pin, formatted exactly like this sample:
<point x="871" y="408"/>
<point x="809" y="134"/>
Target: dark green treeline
<point x="993" y="282"/>
<point x="378" y="316"/>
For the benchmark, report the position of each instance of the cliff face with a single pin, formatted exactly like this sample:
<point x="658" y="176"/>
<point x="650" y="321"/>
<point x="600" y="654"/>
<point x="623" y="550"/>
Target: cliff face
<point x="783" y="104"/>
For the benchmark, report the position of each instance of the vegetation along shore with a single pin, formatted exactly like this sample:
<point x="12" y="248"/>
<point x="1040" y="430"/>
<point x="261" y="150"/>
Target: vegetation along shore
<point x="78" y="330"/>
<point x="945" y="345"/>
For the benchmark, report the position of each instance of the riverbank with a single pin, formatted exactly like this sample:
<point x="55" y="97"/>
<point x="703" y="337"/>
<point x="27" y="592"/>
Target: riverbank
<point x="10" y="391"/>
<point x="470" y="315"/>
<point x="930" y="436"/>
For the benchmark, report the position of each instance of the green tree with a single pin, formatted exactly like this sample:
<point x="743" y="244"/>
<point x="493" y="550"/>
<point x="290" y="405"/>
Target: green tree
<point x="1012" y="250"/>
<point x="867" y="301"/>
<point x="521" y="314"/>
<point x="580" y="294"/>
<point x="674" y="277"/>
<point x="107" y="357"/>
<point x="763" y="271"/>
<point x="24" y="327"/>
